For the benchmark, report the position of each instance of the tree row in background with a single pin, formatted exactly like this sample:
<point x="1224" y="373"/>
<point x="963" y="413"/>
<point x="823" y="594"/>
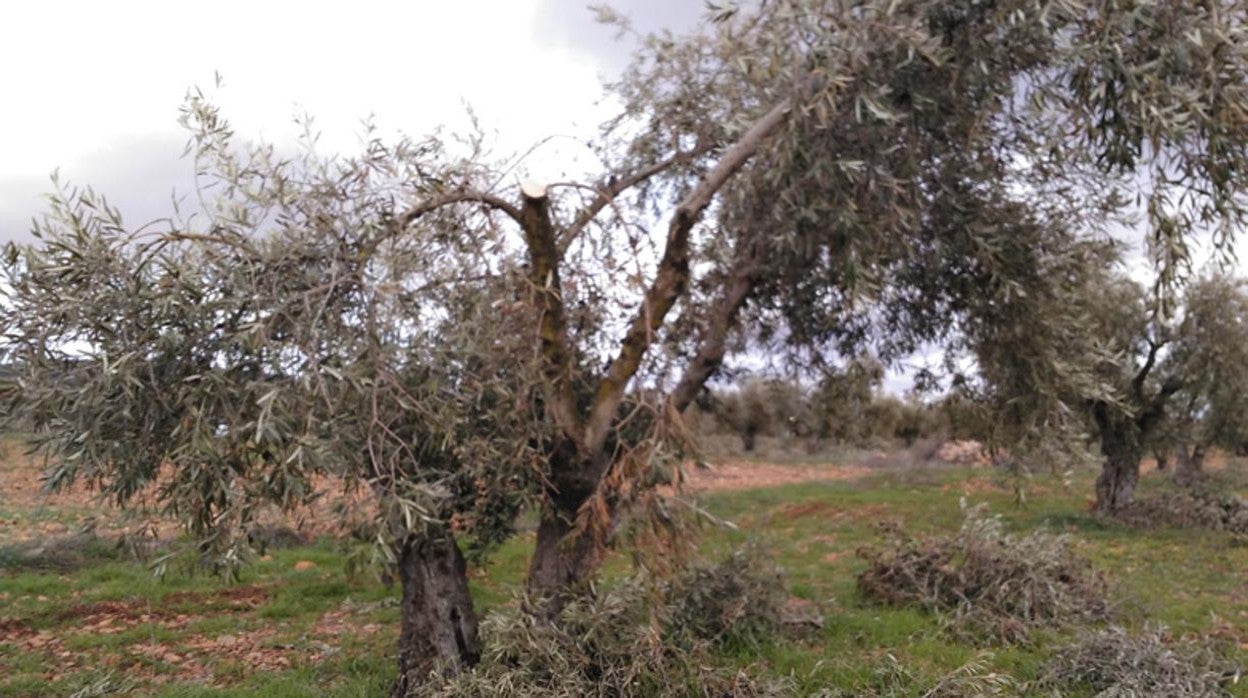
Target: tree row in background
<point x="845" y="408"/>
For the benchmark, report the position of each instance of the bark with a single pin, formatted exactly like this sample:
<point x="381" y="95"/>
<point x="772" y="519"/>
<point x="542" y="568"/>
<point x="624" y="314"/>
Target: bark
<point x="1119" y="474"/>
<point x="1191" y="464"/>
<point x="672" y="277"/>
<point x="713" y="340"/>
<point x="1121" y="446"/>
<point x="557" y="363"/>
<point x="439" y="625"/>
<point x="563" y="560"/>
<point x="564" y="557"/>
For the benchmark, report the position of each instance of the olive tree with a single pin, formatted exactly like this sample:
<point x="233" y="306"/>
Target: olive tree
<point x="1168" y="381"/>
<point x="1211" y="354"/>
<point x="284" y="339"/>
<point x="1135" y="338"/>
<point x="894" y="173"/>
<point x="762" y="406"/>
<point x="841" y="401"/>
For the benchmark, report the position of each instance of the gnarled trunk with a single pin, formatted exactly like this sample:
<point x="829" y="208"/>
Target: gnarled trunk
<point x="439" y="625"/>
<point x="563" y="560"/>
<point x="1116" y="484"/>
<point x="1120" y="444"/>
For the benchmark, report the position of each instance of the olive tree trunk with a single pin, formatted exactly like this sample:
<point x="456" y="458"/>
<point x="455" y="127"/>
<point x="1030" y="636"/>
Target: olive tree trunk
<point x="1163" y="459"/>
<point x="1119" y="474"/>
<point x="439" y="626"/>
<point x="1190" y="464"/>
<point x="1123" y="438"/>
<point x="565" y="558"/>
<point x="748" y="440"/>
<point x="1123" y="449"/>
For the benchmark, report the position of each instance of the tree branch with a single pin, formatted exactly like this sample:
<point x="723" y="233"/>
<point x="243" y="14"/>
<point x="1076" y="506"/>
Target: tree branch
<point x="608" y="192"/>
<point x="1155" y="409"/>
<point x="539" y="235"/>
<point x="457" y="197"/>
<point x="713" y="341"/>
<point x="672" y="277"/>
<point x="1137" y="383"/>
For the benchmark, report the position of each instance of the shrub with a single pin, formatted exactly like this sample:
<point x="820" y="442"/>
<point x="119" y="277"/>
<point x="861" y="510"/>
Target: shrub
<point x="987" y="581"/>
<point x="1113" y="662"/>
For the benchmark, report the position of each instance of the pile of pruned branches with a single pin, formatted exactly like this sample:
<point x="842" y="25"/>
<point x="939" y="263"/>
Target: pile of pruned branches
<point x="640" y="637"/>
<point x="1195" y="508"/>
<point x="1113" y="662"/>
<point x="991" y="585"/>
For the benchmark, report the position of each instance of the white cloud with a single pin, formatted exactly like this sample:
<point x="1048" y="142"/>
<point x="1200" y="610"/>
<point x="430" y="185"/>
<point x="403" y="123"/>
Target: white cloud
<point x="84" y="80"/>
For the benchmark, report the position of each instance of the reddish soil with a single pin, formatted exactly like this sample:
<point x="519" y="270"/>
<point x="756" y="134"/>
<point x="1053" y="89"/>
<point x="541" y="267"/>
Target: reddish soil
<point x="744" y="475"/>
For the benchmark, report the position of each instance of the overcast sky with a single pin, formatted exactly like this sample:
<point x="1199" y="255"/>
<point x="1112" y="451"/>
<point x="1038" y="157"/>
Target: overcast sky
<point x="93" y="88"/>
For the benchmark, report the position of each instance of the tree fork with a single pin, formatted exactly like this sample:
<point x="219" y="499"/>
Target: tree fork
<point x="563" y="558"/>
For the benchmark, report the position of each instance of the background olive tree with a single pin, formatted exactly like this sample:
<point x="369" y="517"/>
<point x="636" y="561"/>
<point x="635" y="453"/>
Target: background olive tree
<point x="763" y="407"/>
<point x="1211" y="353"/>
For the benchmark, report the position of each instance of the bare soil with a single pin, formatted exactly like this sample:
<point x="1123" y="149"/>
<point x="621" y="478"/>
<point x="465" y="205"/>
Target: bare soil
<point x="744" y="475"/>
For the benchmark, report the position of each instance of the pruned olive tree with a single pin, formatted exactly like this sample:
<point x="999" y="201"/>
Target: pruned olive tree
<point x="904" y="173"/>
<point x="285" y="343"/>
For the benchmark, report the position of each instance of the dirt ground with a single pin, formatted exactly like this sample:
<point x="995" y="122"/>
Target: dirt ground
<point x="743" y="475"/>
<point x="27" y="512"/>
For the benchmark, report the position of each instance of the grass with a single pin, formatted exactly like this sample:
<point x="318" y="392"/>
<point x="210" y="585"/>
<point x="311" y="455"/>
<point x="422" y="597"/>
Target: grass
<point x="292" y="629"/>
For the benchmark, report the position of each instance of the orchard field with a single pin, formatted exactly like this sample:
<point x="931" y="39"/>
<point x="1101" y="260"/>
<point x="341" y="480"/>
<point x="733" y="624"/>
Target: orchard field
<point x="81" y="616"/>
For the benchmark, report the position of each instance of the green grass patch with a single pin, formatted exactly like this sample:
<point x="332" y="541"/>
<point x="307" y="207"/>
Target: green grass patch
<point x="303" y="605"/>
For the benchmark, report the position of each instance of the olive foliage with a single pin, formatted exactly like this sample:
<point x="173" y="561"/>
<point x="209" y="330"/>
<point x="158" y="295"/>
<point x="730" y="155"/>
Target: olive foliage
<point x="283" y="342"/>
<point x="1211" y="409"/>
